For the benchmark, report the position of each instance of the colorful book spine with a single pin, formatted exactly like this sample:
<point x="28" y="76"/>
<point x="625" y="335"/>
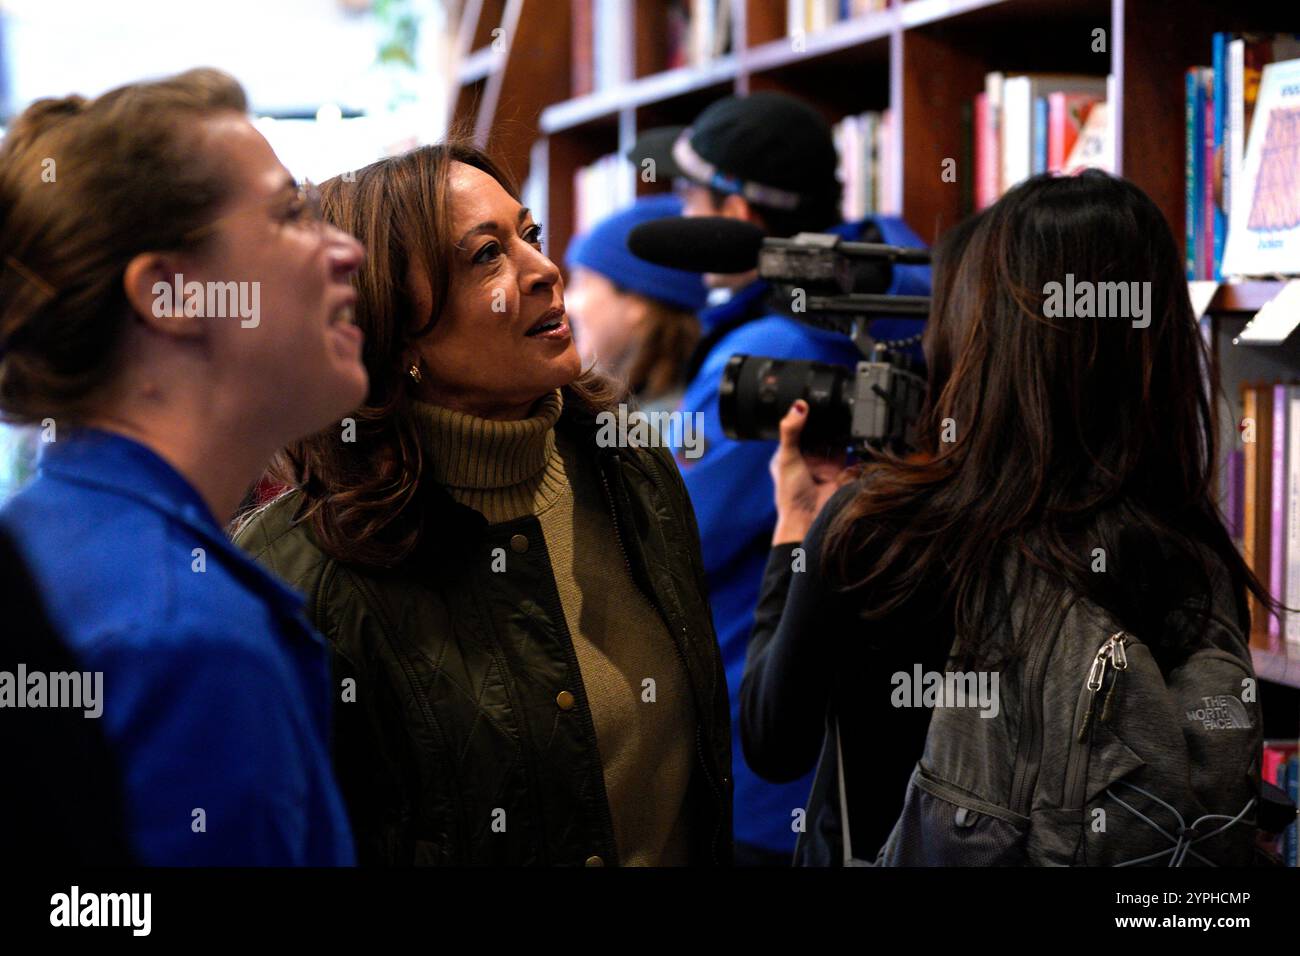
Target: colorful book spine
<point x="1258" y="407"/>
<point x="1066" y="115"/>
<point x="1276" y="752"/>
<point x="870" y="158"/>
<point x="996" y="144"/>
<point x="986" y="160"/>
<point x="1291" y="619"/>
<point x="1277" y="512"/>
<point x="1289" y="780"/>
<point x="1191" y="166"/>
<point x="1218" y="166"/>
<point x="582" y="67"/>
<point x="967" y="159"/>
<point x="1232" y="494"/>
<point x="1235" y="154"/>
<point x="890" y="199"/>
<point x="1207" y="174"/>
<point x="1017" y="130"/>
<point x="1039" y="164"/>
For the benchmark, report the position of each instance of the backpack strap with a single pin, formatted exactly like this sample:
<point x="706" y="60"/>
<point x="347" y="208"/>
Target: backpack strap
<point x="844" y="798"/>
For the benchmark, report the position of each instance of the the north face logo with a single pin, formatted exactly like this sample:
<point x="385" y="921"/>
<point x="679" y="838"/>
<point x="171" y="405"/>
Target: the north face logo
<point x="1223" y="712"/>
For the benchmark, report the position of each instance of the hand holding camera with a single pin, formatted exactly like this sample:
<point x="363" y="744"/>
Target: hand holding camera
<point x="804" y="480"/>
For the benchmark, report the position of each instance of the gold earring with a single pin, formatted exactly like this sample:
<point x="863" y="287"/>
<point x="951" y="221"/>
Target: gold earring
<point x="414" y="372"/>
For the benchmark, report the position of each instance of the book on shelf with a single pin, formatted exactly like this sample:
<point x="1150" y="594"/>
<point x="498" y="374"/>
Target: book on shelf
<point x="1278" y="766"/>
<point x="1220" y="101"/>
<point x="1257" y="437"/>
<point x="600" y="189"/>
<point x="1199" y="170"/>
<point x="985" y="150"/>
<point x="1264" y="226"/>
<point x="1277" y="524"/>
<point x="1245" y="57"/>
<point x="1206" y="198"/>
<point x="1066" y="114"/>
<point x="1290" y="586"/>
<point x="812" y="16"/>
<point x="611" y="43"/>
<point x="1095" y="147"/>
<point x="1266" y="483"/>
<point x="1288" y="778"/>
<point x="677" y="32"/>
<point x="582" y="67"/>
<point x="1217" y="179"/>
<point x="1232" y="484"/>
<point x="1218" y="152"/>
<point x="710" y="30"/>
<point x="866" y="164"/>
<point x="1192" y="118"/>
<point x="1020" y="121"/>
<point x="694" y="32"/>
<point x="1029" y="123"/>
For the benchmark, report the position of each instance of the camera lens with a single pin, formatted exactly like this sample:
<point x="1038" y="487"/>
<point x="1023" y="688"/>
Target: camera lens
<point x="756" y="392"/>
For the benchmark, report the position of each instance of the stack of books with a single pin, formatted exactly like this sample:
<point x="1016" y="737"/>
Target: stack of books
<point x="1243" y="157"/>
<point x="864" y="143"/>
<point x="1034" y="123"/>
<point x="1280" y="766"/>
<point x="600" y="43"/>
<point x="1261" y="497"/>
<point x="693" y="32"/>
<point x="600" y="189"/>
<point x="811" y="16"/>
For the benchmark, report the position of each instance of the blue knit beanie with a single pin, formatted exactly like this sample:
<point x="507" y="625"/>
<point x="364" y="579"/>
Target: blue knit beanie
<point x="604" y="250"/>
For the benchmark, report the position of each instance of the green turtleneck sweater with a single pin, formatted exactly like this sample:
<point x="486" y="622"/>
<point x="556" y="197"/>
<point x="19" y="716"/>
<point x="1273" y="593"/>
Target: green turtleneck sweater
<point x="508" y="469"/>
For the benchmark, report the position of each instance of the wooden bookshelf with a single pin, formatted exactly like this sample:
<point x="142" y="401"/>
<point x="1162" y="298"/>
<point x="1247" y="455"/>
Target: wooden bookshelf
<point x="1247" y="297"/>
<point x="925" y="60"/>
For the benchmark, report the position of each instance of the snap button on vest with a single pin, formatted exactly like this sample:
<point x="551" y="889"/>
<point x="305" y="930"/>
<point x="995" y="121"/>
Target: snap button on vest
<point x="518" y="544"/>
<point x="564" y="700"/>
<point x="595" y="861"/>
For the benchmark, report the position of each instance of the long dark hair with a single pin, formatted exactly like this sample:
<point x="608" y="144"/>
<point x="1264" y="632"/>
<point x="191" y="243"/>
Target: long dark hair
<point x="366" y="498"/>
<point x="1043" y="439"/>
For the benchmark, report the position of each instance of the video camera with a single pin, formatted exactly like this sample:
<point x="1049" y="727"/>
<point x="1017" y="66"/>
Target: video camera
<point x="823" y="281"/>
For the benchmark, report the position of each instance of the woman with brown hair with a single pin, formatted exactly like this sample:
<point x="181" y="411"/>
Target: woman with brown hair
<point x="634" y="320"/>
<point x="528" y="672"/>
<point x="1061" y="505"/>
<point x="172" y="311"/>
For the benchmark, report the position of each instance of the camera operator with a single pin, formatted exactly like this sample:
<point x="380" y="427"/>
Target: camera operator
<point x="1069" y="437"/>
<point x="770" y="160"/>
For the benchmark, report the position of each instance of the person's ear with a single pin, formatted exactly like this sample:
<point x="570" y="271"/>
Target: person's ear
<point x="735" y="206"/>
<point x="154" y="283"/>
<point x="635" y="310"/>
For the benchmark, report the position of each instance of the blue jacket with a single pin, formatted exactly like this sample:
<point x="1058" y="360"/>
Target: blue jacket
<point x="732" y="493"/>
<point x="216" y="692"/>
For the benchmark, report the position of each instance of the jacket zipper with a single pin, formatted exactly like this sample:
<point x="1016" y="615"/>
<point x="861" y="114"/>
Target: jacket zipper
<point x="1111" y="653"/>
<point x="654" y="602"/>
<point x="1034" y="670"/>
<point x="1035" y="667"/>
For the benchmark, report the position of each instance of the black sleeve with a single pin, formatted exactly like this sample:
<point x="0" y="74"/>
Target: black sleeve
<point x="788" y="670"/>
<point x="64" y="804"/>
